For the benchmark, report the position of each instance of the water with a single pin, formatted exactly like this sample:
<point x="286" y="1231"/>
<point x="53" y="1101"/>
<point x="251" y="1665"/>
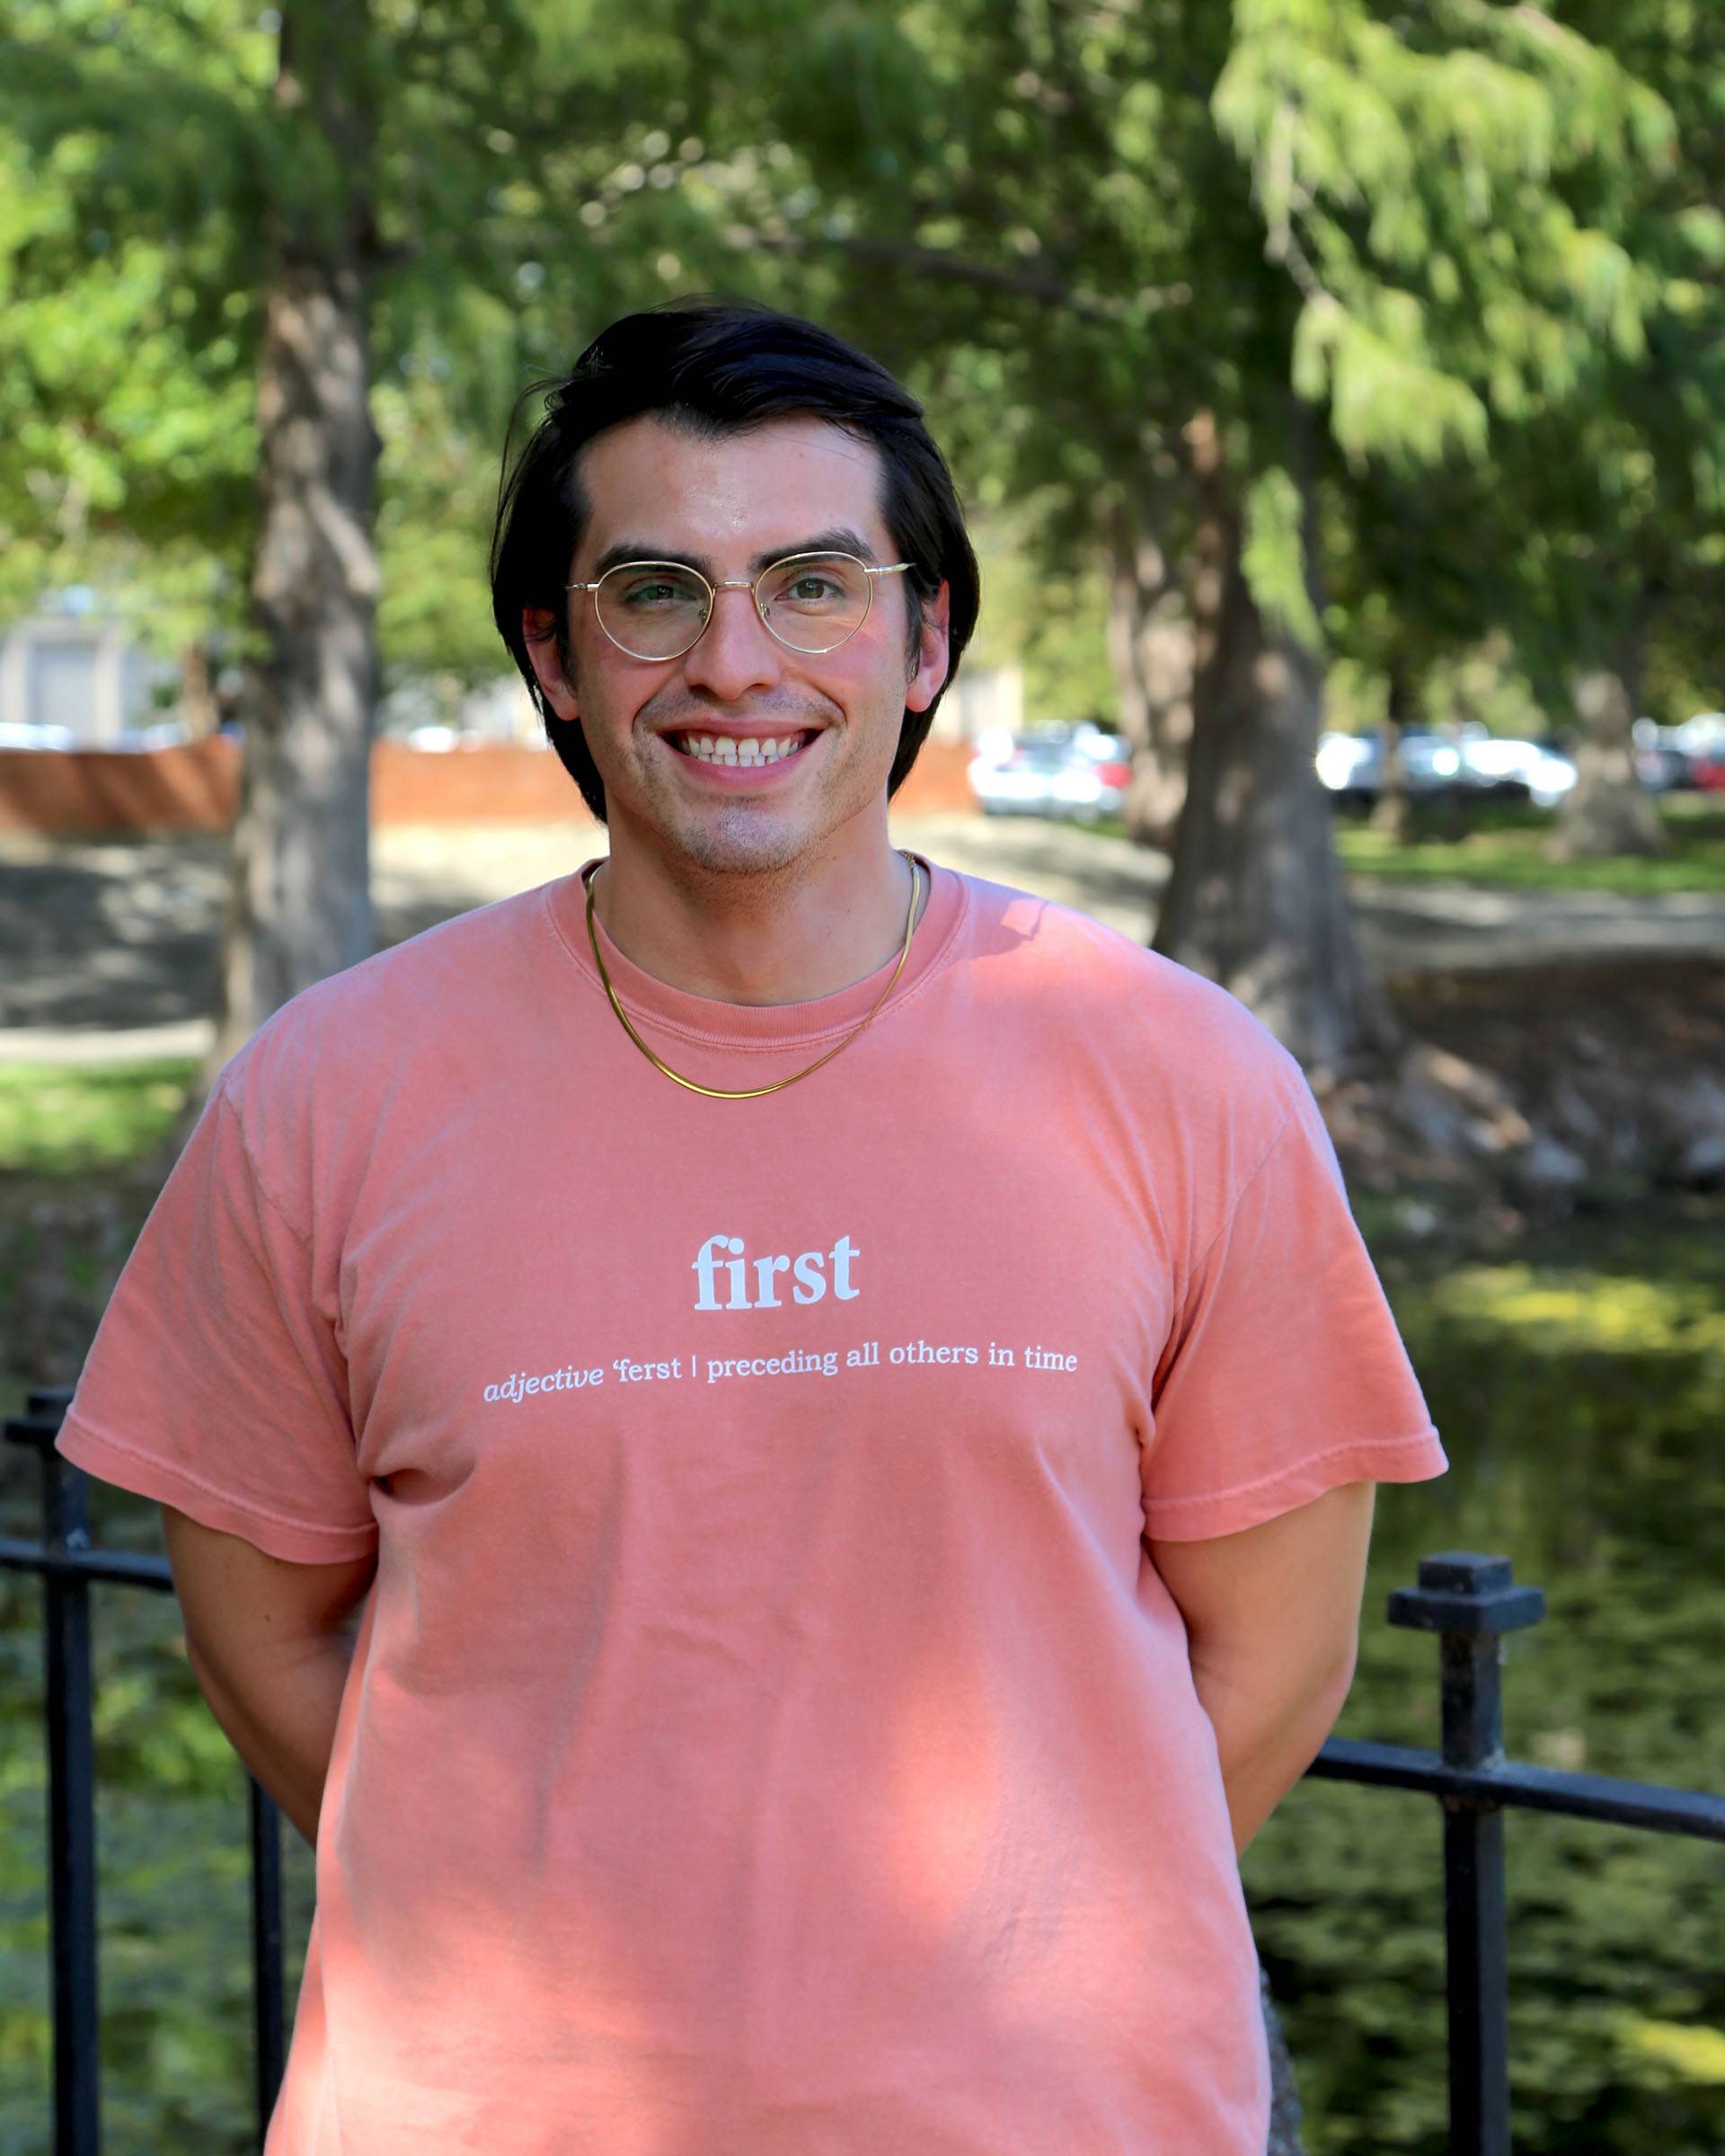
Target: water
<point x="1580" y="1388"/>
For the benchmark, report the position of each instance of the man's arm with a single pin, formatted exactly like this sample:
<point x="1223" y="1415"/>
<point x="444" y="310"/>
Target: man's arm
<point x="270" y="1644"/>
<point x="1272" y="1624"/>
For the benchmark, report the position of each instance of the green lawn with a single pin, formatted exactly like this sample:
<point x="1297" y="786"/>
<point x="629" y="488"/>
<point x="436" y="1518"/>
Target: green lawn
<point x="1507" y="846"/>
<point x="1501" y="845"/>
<point x="69" y="1120"/>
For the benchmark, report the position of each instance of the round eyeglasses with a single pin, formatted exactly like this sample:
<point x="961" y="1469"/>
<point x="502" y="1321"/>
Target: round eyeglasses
<point x="811" y="603"/>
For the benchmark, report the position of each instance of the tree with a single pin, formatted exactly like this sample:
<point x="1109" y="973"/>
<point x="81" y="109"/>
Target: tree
<point x="287" y="207"/>
<point x="1635" y="498"/>
<point x="301" y="890"/>
<point x="124" y="380"/>
<point x="1211" y="269"/>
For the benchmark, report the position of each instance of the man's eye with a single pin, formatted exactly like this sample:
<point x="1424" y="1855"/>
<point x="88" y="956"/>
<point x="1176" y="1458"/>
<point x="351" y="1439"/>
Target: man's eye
<point x="644" y="593"/>
<point x="815" y="586"/>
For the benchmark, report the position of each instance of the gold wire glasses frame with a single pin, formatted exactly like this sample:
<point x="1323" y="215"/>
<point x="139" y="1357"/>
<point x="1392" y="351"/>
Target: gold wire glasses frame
<point x="672" y="613"/>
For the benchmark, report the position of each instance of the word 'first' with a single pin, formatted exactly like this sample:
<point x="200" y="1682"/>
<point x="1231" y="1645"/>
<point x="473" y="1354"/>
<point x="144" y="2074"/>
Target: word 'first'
<point x="809" y="1280"/>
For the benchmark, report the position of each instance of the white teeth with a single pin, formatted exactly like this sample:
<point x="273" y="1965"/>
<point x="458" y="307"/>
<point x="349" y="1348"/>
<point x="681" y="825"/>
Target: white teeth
<point x="726" y="749"/>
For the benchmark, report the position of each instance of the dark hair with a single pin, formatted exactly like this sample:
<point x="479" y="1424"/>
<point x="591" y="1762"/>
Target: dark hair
<point x="720" y="368"/>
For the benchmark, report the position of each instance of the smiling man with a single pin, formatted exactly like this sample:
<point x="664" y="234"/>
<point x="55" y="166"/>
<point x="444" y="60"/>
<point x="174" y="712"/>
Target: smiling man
<point x="769" y="1446"/>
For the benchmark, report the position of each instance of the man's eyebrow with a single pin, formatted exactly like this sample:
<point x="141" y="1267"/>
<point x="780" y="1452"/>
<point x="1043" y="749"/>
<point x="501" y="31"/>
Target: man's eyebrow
<point x="838" y="540"/>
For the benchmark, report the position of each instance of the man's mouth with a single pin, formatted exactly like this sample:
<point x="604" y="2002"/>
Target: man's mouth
<point x="742" y="753"/>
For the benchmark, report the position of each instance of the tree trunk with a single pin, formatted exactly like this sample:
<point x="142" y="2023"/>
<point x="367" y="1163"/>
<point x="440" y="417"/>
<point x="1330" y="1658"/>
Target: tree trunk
<point x="1390" y="810"/>
<point x="1256" y="898"/>
<point x="197" y="690"/>
<point x="1607" y="811"/>
<point x="1150" y="646"/>
<point x="300" y="905"/>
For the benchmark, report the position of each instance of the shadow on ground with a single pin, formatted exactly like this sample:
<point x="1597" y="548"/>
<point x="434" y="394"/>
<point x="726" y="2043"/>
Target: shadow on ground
<point x="109" y="936"/>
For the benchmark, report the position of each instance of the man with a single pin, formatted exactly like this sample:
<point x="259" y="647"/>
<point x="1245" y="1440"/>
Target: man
<point x="848" y="1398"/>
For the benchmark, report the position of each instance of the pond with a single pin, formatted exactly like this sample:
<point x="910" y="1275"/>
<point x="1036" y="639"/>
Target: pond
<point x="1578" y="1379"/>
<point x="1580" y="1384"/>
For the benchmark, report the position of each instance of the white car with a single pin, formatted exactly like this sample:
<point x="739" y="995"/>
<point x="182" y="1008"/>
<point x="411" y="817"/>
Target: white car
<point x="1492" y="760"/>
<point x="1081" y="776"/>
<point x="1352" y="766"/>
<point x="36" y="736"/>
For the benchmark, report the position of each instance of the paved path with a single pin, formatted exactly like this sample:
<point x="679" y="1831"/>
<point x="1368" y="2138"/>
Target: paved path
<point x="109" y="946"/>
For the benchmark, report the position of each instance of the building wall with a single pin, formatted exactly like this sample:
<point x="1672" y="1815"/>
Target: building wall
<point x="80" y="671"/>
<point x="90" y="792"/>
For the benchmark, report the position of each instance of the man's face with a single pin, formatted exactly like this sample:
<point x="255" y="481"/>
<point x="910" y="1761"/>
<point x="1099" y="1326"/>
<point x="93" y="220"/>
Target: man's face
<point x="729" y="507"/>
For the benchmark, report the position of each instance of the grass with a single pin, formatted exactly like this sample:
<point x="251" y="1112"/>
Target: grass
<point x="71" y="1119"/>
<point x="1504" y="847"/>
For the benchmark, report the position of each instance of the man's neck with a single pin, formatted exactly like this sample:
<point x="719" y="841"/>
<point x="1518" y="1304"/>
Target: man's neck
<point x="781" y="936"/>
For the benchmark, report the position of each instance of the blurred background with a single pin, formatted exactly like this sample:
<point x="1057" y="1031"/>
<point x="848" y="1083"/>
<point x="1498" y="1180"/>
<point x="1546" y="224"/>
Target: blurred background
<point x="1337" y="390"/>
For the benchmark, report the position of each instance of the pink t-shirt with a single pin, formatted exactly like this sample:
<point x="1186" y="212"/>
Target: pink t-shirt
<point x="768" y="1735"/>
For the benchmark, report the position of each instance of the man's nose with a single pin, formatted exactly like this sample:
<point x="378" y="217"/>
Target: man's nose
<point x="735" y="653"/>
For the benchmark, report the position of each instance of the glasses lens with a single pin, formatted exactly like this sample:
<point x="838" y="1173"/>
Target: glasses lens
<point x="652" y="609"/>
<point x="814" y="601"/>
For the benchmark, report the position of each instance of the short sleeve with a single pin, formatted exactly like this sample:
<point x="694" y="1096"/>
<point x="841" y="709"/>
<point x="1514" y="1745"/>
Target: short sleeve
<point x="1283" y="1376"/>
<point x="217" y="1382"/>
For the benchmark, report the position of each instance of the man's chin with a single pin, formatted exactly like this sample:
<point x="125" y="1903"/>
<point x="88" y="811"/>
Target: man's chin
<point x="741" y="841"/>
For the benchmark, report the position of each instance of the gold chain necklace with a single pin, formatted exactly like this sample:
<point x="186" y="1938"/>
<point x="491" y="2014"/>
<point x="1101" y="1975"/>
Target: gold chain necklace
<point x="754" y="1093"/>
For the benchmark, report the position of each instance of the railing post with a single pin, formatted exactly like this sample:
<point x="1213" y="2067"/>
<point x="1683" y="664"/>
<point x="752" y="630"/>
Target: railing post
<point x="1470" y="1601"/>
<point x="71" y="1785"/>
<point x="268" y="1999"/>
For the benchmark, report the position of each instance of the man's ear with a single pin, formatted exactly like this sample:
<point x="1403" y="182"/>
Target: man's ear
<point x="539" y="634"/>
<point x="929" y="667"/>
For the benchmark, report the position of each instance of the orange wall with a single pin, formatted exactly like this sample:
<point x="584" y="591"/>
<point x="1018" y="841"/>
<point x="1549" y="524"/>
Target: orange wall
<point x="95" y="790"/>
<point x="496" y="784"/>
<point x="88" y="792"/>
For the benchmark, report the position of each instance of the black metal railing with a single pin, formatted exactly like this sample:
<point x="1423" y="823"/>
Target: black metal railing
<point x="68" y="1565"/>
<point x="1469" y="1601"/>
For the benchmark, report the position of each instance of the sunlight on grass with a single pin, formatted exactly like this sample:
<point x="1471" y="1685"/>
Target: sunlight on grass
<point x="69" y="1118"/>
<point x="1504" y="845"/>
<point x="1691" y="2054"/>
<point x="1509" y="848"/>
<point x="1566" y="1309"/>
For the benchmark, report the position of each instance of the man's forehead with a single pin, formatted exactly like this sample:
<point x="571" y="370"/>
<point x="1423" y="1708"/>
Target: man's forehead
<point x="787" y="474"/>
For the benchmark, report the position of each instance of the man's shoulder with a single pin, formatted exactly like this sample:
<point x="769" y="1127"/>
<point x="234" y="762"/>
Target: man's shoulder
<point x="1106" y="989"/>
<point x="456" y="977"/>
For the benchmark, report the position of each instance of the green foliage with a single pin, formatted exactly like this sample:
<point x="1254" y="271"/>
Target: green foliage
<point x="1047" y="616"/>
<point x="144" y="162"/>
<point x="1274" y="558"/>
<point x="66" y="1119"/>
<point x="1466" y="237"/>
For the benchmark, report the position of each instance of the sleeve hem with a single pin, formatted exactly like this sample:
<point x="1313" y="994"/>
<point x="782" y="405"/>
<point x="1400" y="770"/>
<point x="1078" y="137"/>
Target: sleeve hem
<point x="296" y="1541"/>
<point x="1417" y="1458"/>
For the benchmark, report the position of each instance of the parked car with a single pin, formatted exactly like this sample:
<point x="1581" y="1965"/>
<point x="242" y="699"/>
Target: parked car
<point x="164" y="733"/>
<point x="17" y="734"/>
<point x="1702" y="740"/>
<point x="1660" y="763"/>
<point x="1506" y="765"/>
<point x="1080" y="773"/>
<point x="1351" y="766"/>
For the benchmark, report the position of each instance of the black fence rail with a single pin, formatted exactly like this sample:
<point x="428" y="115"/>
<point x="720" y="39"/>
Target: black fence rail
<point x="1469" y="1601"/>
<point x="68" y="1565"/>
